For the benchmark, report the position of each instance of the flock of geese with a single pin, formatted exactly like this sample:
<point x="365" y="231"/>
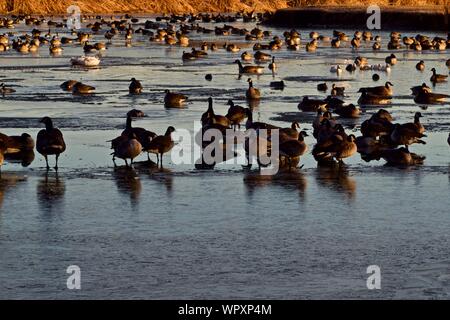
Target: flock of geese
<point x="381" y="137"/>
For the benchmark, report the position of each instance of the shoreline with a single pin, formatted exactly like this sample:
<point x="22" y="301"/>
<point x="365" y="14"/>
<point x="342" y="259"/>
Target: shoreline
<point x="407" y="18"/>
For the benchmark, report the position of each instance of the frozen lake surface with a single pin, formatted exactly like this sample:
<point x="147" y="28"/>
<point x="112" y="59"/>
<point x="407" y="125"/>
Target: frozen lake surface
<point x="181" y="233"/>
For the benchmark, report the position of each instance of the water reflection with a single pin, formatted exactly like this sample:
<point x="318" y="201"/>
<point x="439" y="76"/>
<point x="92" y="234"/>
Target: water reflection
<point x="50" y="193"/>
<point x="163" y="176"/>
<point x="8" y="181"/>
<point x="25" y="157"/>
<point x="336" y="177"/>
<point x="290" y="180"/>
<point x="128" y="182"/>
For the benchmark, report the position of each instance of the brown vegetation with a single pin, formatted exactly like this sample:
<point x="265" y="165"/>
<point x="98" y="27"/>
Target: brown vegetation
<point x="188" y="6"/>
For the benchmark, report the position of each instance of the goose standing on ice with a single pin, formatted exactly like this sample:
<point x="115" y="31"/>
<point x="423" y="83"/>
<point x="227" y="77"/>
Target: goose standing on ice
<point x="50" y="141"/>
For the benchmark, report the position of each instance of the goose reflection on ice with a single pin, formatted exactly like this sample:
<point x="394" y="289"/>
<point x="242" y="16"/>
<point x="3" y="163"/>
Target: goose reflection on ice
<point x="336" y="177"/>
<point x="293" y="179"/>
<point x="8" y="181"/>
<point x="25" y="157"/>
<point x="128" y="182"/>
<point x="51" y="189"/>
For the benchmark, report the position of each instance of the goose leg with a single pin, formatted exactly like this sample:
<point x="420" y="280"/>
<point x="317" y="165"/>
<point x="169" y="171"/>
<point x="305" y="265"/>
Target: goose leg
<point x="126" y="163"/>
<point x="157" y="158"/>
<point x="46" y="162"/>
<point x="56" y="166"/>
<point x="161" y="160"/>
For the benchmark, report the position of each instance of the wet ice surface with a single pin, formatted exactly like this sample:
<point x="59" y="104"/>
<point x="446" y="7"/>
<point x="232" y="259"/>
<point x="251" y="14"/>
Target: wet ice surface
<point x="227" y="233"/>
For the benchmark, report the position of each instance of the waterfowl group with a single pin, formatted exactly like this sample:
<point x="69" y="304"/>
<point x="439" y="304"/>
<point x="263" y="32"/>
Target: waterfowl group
<point x="333" y="143"/>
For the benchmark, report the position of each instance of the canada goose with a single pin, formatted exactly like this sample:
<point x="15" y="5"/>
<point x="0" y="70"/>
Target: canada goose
<point x="416" y="125"/>
<point x="16" y="144"/>
<point x="314" y="35"/>
<point x="252" y="92"/>
<point x="232" y="47"/>
<point x="356" y="43"/>
<point x="257" y="125"/>
<point x="272" y="66"/>
<point x="293" y="148"/>
<point x="68" y="85"/>
<point x="401" y="157"/>
<point x="376" y="45"/>
<point x="127" y="148"/>
<point x="99" y="46"/>
<point x="337" y="91"/>
<point x="423" y="96"/>
<point x="420" y="65"/>
<point x="173" y="99"/>
<point x="50" y="141"/>
<point x="417" y="89"/>
<point x="278" y="85"/>
<point x="209" y="117"/>
<point x="367" y="98"/>
<point x="317" y="122"/>
<point x="311" y="46"/>
<point x="142" y="135"/>
<point x="335" y="43"/>
<point x="261" y="56"/>
<point x="198" y="53"/>
<point x="183" y="41"/>
<point x="188" y="56"/>
<point x="379" y="124"/>
<point x="55" y="50"/>
<point x="81" y="88"/>
<point x="311" y="105"/>
<point x="381" y="91"/>
<point x="290" y="132"/>
<point x="161" y="144"/>
<point x="350" y="67"/>
<point x="134" y="113"/>
<point x="361" y="61"/>
<point x="246" y="56"/>
<point x="236" y="114"/>
<point x="437" y="77"/>
<point x="249" y="69"/>
<point x="135" y="86"/>
<point x="349" y="111"/>
<point x="392" y="59"/>
<point x="5" y="90"/>
<point x="341" y="148"/>
<point x="88" y="47"/>
<point x="403" y="135"/>
<point x="322" y="87"/>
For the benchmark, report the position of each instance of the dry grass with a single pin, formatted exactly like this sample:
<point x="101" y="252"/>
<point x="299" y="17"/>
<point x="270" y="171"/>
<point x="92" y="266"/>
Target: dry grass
<point x="191" y="6"/>
<point x="142" y="6"/>
<point x="365" y="3"/>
